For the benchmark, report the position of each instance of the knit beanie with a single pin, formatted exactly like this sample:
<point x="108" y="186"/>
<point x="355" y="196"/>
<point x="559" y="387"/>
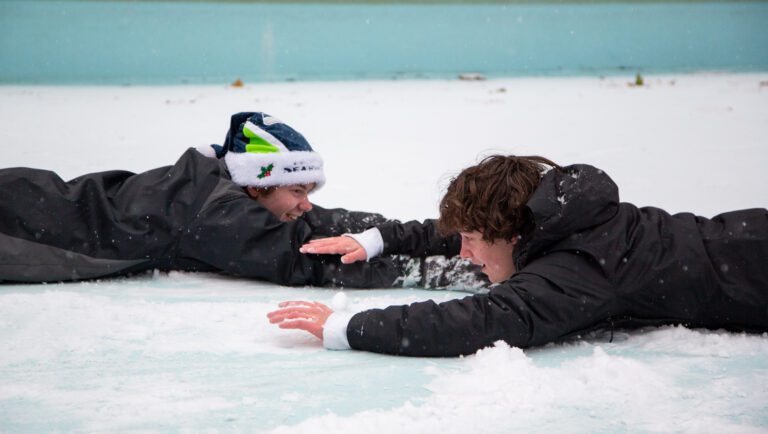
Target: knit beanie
<point x="262" y="151"/>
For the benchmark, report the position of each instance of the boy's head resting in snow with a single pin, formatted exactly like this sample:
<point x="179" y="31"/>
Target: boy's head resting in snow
<point x="490" y="197"/>
<point x="273" y="162"/>
<point x="486" y="204"/>
<point x="262" y="151"/>
<point x="287" y="202"/>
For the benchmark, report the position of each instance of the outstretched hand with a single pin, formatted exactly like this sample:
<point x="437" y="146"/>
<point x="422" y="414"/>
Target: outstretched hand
<point x="302" y="315"/>
<point x="351" y="250"/>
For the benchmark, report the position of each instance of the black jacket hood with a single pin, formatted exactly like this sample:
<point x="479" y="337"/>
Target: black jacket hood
<point x="567" y="201"/>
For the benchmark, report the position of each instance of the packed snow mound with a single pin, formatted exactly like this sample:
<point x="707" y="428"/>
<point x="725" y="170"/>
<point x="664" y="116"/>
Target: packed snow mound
<point x="502" y="390"/>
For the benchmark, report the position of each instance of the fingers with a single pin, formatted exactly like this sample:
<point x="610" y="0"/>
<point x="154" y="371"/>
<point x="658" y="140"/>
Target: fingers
<point x="302" y="303"/>
<point x="298" y="303"/>
<point x="354" y="256"/>
<point x="303" y="315"/>
<point x="281" y="315"/>
<point x="331" y="246"/>
<point x="351" y="250"/>
<point x="311" y="311"/>
<point x="322" y="241"/>
<point x="308" y="326"/>
<point x="323" y="245"/>
<point x="289" y="314"/>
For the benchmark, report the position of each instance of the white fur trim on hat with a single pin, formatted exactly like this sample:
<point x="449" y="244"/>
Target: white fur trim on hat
<point x="249" y="169"/>
<point x="206" y="150"/>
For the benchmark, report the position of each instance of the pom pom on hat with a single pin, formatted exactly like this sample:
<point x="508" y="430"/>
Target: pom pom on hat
<point x="262" y="151"/>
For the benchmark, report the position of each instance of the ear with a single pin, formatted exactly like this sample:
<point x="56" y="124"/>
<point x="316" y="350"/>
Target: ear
<point x="252" y="191"/>
<point x="514" y="240"/>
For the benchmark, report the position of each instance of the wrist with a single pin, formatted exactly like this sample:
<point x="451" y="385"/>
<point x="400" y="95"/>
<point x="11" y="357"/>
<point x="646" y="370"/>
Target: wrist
<point x="335" y="331"/>
<point x="371" y="242"/>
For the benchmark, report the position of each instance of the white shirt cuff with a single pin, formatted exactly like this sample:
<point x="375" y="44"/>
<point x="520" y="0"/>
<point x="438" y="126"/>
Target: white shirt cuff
<point x="335" y="331"/>
<point x="370" y="240"/>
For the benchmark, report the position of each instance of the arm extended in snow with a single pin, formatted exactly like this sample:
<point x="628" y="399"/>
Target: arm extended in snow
<point x="527" y="310"/>
<point x="411" y="238"/>
<point x="239" y="236"/>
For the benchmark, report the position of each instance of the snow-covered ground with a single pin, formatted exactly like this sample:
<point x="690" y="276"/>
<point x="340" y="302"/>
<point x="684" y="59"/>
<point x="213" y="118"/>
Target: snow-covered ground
<point x="186" y="352"/>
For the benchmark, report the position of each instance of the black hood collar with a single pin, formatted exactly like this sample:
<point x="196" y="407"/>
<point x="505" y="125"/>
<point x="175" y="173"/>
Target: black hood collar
<point x="567" y="201"/>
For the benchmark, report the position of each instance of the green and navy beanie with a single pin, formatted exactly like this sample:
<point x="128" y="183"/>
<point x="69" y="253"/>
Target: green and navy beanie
<point x="262" y="151"/>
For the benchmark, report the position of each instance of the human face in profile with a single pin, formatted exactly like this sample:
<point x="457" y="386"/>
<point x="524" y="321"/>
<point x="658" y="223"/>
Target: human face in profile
<point x="287" y="202"/>
<point x="495" y="257"/>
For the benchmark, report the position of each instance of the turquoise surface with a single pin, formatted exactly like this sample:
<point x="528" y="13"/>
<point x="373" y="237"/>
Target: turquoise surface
<point x="125" y="42"/>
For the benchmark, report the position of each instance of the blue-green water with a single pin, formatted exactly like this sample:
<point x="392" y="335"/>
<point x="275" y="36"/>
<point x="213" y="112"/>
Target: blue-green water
<point x="121" y="42"/>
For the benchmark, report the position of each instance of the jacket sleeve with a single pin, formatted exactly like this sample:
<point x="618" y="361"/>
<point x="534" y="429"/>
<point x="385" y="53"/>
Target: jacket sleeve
<point x="238" y="236"/>
<point x="337" y="221"/>
<point x="547" y="301"/>
<point x="417" y="239"/>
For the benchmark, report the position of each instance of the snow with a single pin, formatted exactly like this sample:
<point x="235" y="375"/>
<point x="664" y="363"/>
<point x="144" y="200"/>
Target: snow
<point x="503" y="389"/>
<point x="194" y="352"/>
<point x="339" y="302"/>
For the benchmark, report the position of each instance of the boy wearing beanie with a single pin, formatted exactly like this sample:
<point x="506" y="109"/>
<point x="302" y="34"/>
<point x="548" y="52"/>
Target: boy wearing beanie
<point x="241" y="208"/>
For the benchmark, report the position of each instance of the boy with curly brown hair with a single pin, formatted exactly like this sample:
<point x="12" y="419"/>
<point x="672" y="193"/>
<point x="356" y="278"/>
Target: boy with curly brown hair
<point x="568" y="257"/>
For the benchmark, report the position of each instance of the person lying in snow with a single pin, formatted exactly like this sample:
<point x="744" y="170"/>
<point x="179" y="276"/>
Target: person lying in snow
<point x="568" y="258"/>
<point x="241" y="208"/>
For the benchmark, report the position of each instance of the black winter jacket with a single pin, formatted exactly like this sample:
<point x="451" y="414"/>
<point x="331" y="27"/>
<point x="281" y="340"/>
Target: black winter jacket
<point x="590" y="262"/>
<point x="189" y="216"/>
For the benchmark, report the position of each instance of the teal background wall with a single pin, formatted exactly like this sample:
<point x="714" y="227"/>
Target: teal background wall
<point x="129" y="42"/>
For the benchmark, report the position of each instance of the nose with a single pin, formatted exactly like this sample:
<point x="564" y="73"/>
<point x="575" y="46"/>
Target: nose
<point x="305" y="205"/>
<point x="465" y="253"/>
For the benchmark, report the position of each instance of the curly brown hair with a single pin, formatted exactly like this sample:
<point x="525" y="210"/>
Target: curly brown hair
<point x="490" y="197"/>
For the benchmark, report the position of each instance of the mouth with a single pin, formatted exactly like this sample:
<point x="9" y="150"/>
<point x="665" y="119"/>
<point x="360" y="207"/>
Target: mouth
<point x="476" y="266"/>
<point x="291" y="217"/>
<point x="481" y="266"/>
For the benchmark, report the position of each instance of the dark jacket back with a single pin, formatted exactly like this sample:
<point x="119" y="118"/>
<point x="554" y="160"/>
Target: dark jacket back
<point x="590" y="262"/>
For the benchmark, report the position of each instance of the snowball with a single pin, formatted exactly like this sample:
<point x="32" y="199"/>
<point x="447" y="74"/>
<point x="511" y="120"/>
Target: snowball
<point x="339" y="302"/>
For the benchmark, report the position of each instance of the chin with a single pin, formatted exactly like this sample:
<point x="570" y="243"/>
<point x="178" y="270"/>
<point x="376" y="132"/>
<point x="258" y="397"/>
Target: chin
<point x="496" y="278"/>
<point x="492" y="279"/>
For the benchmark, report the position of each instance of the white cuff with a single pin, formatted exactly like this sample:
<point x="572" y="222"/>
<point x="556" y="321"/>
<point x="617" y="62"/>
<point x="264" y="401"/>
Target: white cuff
<point x="370" y="240"/>
<point x="335" y="331"/>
